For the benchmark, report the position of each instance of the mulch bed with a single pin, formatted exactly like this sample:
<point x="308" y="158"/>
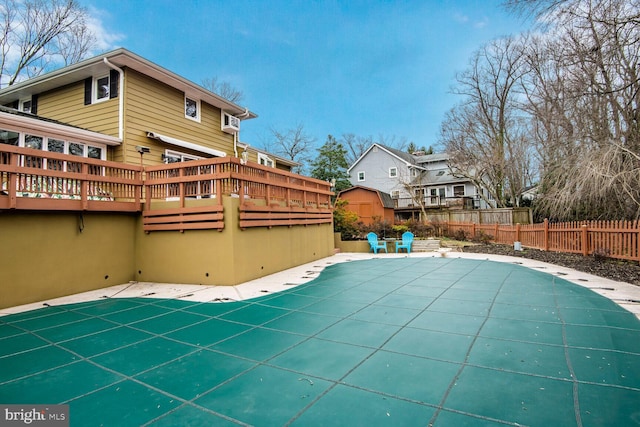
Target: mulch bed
<point x="618" y="270"/>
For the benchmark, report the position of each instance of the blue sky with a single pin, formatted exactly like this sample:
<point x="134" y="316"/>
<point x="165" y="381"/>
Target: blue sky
<point x="369" y="68"/>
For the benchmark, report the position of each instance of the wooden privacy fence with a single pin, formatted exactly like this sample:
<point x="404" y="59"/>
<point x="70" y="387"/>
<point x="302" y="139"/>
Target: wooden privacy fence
<point x="615" y="239"/>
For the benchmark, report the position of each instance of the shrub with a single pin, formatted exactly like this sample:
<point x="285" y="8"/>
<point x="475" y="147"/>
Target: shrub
<point x="345" y="221"/>
<point x="459" y="234"/>
<point x="482" y="237"/>
<point x="601" y="254"/>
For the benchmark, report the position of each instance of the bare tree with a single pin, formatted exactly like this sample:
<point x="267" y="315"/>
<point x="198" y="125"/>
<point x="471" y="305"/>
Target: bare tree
<point x="355" y="146"/>
<point x="293" y="144"/>
<point x="583" y="91"/>
<point x="486" y="136"/>
<point x="224" y="89"/>
<point x="38" y="35"/>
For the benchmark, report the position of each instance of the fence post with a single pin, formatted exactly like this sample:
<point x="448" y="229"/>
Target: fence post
<point x="546" y="235"/>
<point x="14" y="161"/>
<point x="495" y="234"/>
<point x="585" y="238"/>
<point x="473" y="230"/>
<point x="517" y="239"/>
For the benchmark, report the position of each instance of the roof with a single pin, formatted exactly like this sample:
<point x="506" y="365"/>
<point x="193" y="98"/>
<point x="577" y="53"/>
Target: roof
<point x="28" y="120"/>
<point x="385" y="198"/>
<point x="428" y="158"/>
<point x="121" y="58"/>
<point x="401" y="155"/>
<point x="408" y="159"/>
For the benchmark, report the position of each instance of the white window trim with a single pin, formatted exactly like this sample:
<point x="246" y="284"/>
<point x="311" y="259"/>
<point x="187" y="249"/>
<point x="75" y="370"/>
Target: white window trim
<point x="21" y="105"/>
<point x="45" y="144"/>
<point x="395" y="194"/>
<point x="393" y="172"/>
<point x="464" y="190"/>
<point x="361" y="176"/>
<point x="268" y="161"/>
<point x="197" y="101"/>
<point x="94" y="89"/>
<point x="184" y="157"/>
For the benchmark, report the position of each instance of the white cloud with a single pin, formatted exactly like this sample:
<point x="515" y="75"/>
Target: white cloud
<point x="482" y="23"/>
<point x="458" y="17"/>
<point x="105" y="39"/>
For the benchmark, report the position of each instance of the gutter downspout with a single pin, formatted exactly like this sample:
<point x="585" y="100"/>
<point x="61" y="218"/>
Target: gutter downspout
<point x="120" y="96"/>
<point x="235" y="135"/>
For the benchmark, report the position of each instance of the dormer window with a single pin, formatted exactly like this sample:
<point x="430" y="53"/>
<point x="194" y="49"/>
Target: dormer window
<point x="192" y="109"/>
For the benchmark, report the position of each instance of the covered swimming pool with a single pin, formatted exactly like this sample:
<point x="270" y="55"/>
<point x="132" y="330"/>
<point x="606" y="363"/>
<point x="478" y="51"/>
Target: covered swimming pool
<point x="386" y="341"/>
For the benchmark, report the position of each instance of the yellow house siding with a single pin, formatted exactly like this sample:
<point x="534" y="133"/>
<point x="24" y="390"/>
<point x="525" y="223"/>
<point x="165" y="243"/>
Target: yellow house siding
<point x="66" y="104"/>
<point x="153" y="106"/>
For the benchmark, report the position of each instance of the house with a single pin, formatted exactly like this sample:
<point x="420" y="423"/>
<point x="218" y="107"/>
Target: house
<point x="414" y="181"/>
<point x="115" y="169"/>
<point x="369" y="204"/>
<point x="143" y="105"/>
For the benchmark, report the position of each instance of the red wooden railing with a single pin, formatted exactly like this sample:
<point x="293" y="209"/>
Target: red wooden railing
<point x="615" y="239"/>
<point x="268" y="197"/>
<point x="178" y="196"/>
<point x="40" y="180"/>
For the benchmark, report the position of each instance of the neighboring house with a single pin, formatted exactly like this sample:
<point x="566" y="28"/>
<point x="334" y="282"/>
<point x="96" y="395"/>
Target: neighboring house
<point x="155" y="115"/>
<point x="413" y="180"/>
<point x="369" y="204"/>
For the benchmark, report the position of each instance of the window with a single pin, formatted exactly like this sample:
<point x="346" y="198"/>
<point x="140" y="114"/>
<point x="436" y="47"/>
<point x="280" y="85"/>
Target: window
<point x="25" y="105"/>
<point x="9" y="137"/>
<point x="393" y="172"/>
<point x="458" y="190"/>
<point x="192" y="109"/>
<point x="360" y="176"/>
<point x="265" y="160"/>
<point x="193" y="189"/>
<point x="395" y="194"/>
<point x="94" y="151"/>
<point x="101" y="89"/>
<point x="440" y="173"/>
<point x="97" y="88"/>
<point x="171" y="156"/>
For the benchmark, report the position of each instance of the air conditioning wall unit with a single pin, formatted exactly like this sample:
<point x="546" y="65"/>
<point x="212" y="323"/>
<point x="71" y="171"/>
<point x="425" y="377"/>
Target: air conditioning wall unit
<point x="230" y="124"/>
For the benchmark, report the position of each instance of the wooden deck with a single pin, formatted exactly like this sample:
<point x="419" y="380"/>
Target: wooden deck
<point x="178" y="196"/>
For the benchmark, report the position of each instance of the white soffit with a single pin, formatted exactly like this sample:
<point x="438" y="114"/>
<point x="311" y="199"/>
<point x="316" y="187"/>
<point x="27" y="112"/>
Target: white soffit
<point x="185" y="144"/>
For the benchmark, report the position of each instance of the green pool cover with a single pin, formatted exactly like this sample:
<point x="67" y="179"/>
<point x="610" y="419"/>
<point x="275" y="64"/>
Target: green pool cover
<point x="397" y="342"/>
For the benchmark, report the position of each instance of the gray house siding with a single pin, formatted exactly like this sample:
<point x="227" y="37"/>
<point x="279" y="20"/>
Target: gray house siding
<point x="376" y="165"/>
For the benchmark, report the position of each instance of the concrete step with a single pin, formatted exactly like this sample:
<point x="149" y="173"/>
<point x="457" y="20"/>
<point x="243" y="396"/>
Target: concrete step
<point x="428" y="245"/>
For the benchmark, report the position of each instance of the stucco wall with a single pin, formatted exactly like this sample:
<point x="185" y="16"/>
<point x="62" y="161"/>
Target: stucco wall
<point x="46" y="255"/>
<point x="230" y="256"/>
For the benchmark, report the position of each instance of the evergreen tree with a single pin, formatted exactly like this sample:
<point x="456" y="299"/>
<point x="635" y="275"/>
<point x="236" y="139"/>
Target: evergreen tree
<point x="331" y="163"/>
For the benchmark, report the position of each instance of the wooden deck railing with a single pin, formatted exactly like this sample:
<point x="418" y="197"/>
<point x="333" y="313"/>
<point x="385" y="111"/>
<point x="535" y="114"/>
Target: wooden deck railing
<point x="178" y="196"/>
<point x="41" y="180"/>
<point x="268" y="197"/>
<point x="614" y="239"/>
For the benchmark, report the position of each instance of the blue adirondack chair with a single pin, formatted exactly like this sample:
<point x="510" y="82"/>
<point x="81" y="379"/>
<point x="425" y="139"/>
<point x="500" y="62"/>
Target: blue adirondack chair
<point x="375" y="244"/>
<point x="407" y="239"/>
